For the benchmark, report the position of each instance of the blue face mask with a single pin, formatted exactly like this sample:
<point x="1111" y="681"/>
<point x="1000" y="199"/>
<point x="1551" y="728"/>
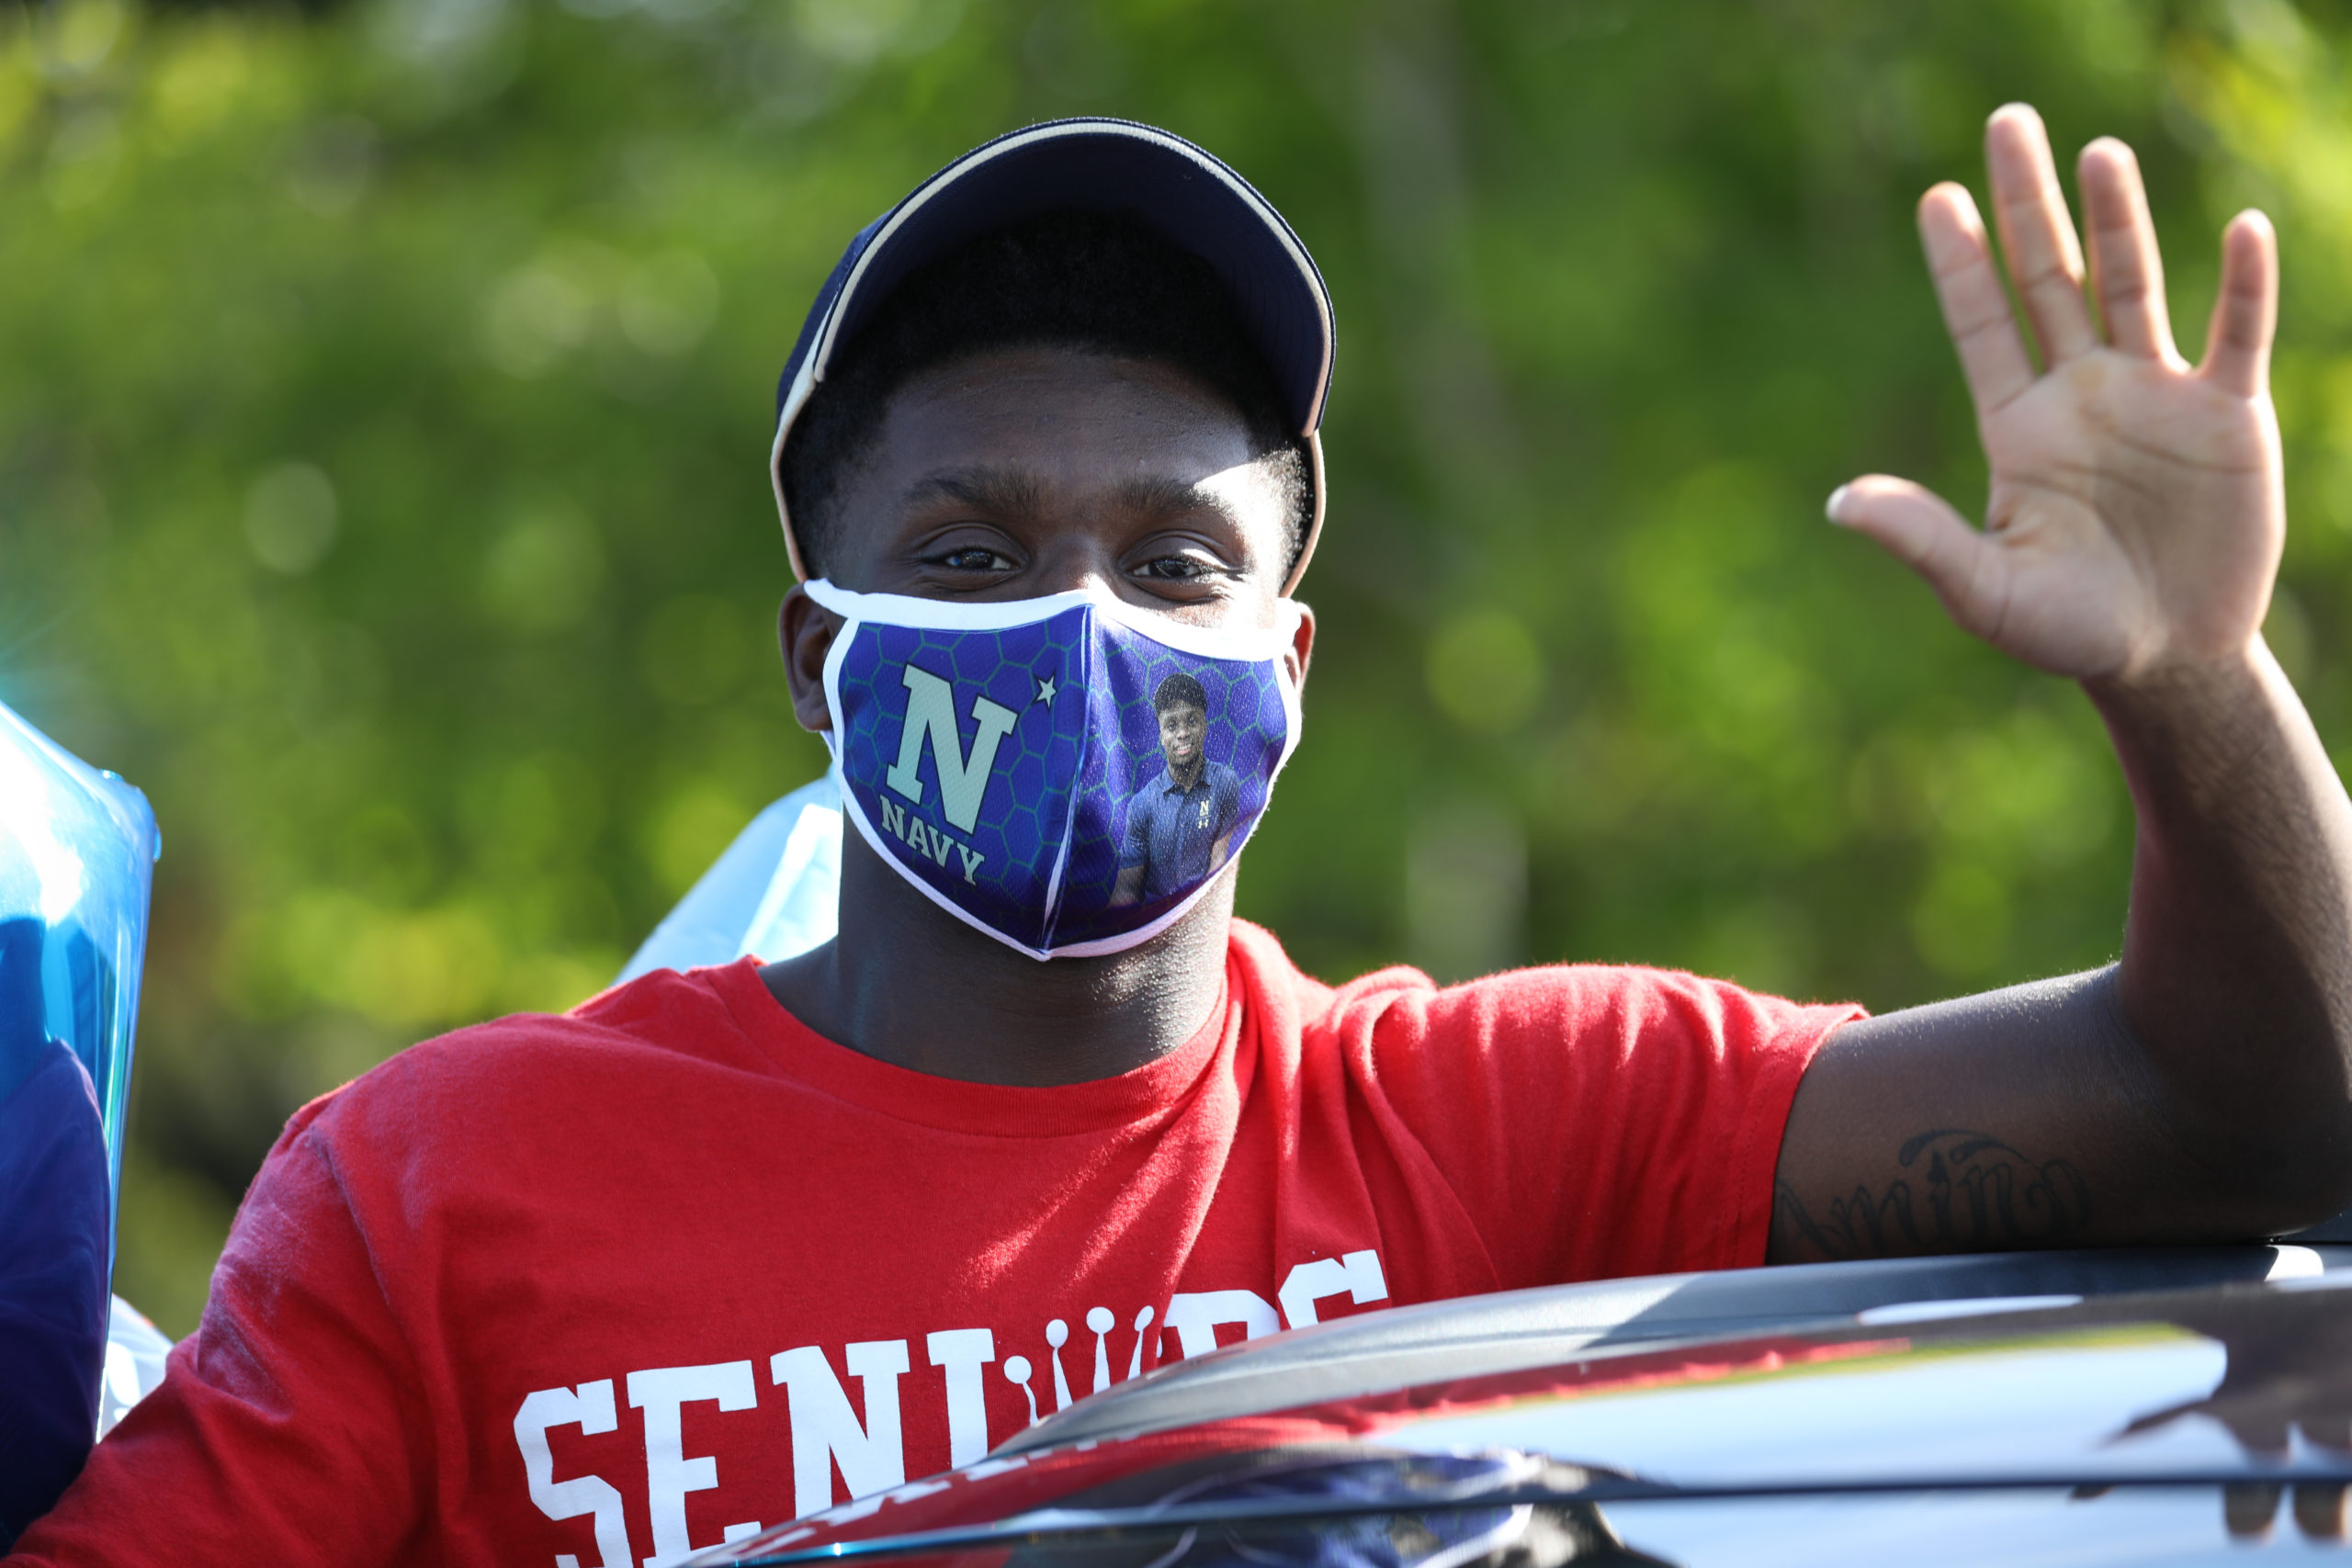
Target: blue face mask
<point x="1067" y="773"/>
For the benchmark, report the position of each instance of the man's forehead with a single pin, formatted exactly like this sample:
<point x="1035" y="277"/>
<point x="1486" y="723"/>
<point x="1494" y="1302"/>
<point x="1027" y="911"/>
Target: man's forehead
<point x="1067" y="397"/>
<point x="1014" y="432"/>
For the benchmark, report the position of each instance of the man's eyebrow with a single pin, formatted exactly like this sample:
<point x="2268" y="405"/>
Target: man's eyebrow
<point x="1000" y="490"/>
<point x="982" y="488"/>
<point x="1161" y="496"/>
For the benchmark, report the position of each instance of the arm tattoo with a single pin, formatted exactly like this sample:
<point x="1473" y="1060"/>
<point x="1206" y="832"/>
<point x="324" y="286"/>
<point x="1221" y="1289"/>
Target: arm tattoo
<point x="1973" y="1194"/>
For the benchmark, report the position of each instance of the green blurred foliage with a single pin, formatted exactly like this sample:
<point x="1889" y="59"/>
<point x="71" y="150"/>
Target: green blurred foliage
<point x="384" y="397"/>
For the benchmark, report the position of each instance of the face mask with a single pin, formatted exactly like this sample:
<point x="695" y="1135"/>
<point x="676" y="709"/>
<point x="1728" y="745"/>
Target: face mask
<point x="1067" y="773"/>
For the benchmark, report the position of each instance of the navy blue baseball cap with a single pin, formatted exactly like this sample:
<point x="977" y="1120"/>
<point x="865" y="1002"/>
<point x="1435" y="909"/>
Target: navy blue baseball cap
<point x="1093" y="166"/>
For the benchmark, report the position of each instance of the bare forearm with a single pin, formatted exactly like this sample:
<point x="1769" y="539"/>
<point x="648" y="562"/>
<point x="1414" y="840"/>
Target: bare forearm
<point x="2236" y="978"/>
<point x="2197" y="1090"/>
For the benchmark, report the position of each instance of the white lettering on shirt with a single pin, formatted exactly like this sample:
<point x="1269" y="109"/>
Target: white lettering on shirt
<point x="591" y="1410"/>
<point x="825" y="1430"/>
<point x="669" y="1473"/>
<point x="1100" y="1321"/>
<point x="869" y="1455"/>
<point x="961" y="1353"/>
<point x="1357" y="1275"/>
<point x="1195" y="1314"/>
<point x="1057" y="1336"/>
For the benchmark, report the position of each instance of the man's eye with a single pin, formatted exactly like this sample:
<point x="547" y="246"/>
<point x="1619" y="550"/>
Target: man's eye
<point x="1176" y="569"/>
<point x="973" y="559"/>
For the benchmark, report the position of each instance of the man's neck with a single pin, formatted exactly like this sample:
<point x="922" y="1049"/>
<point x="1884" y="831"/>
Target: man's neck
<point x="908" y="984"/>
<point x="1189" y="774"/>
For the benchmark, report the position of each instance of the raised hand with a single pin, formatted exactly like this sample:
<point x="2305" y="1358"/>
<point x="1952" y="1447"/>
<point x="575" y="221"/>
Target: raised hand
<point x="2289" y="1367"/>
<point x="2136" y="512"/>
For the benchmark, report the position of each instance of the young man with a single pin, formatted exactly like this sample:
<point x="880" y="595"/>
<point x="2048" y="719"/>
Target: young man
<point x="1180" y="824"/>
<point x="724" y="1246"/>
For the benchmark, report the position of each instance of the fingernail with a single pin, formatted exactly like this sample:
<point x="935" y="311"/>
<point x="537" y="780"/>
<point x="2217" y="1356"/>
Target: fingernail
<point x="1836" y="499"/>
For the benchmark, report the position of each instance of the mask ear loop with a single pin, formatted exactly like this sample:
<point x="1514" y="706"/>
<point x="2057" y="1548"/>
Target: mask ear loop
<point x="835" y="655"/>
<point x="1294" y="712"/>
<point x="834" y="652"/>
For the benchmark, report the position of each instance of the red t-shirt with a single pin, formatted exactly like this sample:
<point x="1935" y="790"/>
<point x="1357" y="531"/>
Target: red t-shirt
<point x="609" y="1287"/>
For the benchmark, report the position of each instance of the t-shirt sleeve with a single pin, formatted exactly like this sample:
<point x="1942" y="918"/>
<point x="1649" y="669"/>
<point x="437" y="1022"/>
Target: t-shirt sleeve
<point x="286" y="1428"/>
<point x="1136" y="847"/>
<point x="1598" y="1122"/>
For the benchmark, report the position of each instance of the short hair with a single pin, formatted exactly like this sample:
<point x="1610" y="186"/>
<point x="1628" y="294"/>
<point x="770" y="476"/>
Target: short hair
<point x="1178" y="691"/>
<point x="1094" y="282"/>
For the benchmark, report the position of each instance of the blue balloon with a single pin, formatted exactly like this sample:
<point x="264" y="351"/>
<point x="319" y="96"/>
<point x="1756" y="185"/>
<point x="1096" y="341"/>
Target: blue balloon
<point x="77" y="848"/>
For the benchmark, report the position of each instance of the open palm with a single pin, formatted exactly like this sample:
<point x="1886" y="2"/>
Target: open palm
<point x="2135" y="517"/>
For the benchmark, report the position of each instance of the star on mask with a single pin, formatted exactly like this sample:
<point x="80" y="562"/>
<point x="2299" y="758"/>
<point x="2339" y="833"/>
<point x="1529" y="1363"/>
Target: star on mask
<point x="1045" y="689"/>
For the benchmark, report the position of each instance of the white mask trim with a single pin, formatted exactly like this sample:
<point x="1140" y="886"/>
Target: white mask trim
<point x="1253" y="644"/>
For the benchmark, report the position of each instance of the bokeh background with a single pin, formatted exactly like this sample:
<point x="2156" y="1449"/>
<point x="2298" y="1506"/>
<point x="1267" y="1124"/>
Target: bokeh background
<point x="385" y="389"/>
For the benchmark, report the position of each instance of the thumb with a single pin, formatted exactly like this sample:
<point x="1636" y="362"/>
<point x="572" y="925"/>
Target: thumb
<point x="1920" y="528"/>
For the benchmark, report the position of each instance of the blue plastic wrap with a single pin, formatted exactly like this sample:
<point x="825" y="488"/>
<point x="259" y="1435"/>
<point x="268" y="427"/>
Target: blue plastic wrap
<point x="76" y="850"/>
<point x="775" y="892"/>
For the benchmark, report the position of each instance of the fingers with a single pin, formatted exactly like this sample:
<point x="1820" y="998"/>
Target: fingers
<point x="1976" y="308"/>
<point x="2320" y="1512"/>
<point x="2237" y="345"/>
<point x="2037" y="234"/>
<point x="1923" y="531"/>
<point x="2127" y="269"/>
<point x="2263" y="1431"/>
<point x="2248" y="1508"/>
<point x="2332" y="1430"/>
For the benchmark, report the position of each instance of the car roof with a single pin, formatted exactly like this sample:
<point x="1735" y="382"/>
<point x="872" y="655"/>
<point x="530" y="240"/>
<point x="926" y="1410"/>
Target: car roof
<point x="2007" y="1386"/>
<point x="1400" y="1347"/>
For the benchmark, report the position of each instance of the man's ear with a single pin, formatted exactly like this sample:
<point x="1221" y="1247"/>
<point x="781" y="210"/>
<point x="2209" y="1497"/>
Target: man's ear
<point x="1302" y="645"/>
<point x="806" y="629"/>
